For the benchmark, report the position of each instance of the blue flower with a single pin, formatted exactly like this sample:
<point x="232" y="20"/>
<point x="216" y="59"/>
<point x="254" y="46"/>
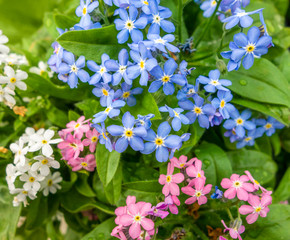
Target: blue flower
<point x="119" y="68"/>
<point x="187" y="91"/>
<point x="177" y="117"/>
<point x="112" y="110"/>
<point x="129" y="134"/>
<point x="222" y="103"/>
<point x="160" y="142"/>
<point x="127" y="95"/>
<point x="198" y="110"/>
<point x="104" y="92"/>
<point x="239" y="122"/>
<point x="73" y="69"/>
<point x="103" y="138"/>
<point x="217" y="194"/>
<point x="84" y="9"/>
<point x="216" y="119"/>
<point x="161" y="42"/>
<point x="250" y="46"/>
<point x="101" y="72"/>
<point x="144" y="120"/>
<point x="144" y="64"/>
<point x="213" y="83"/>
<point x="56" y="58"/>
<point x="91" y="25"/>
<point x="129" y="25"/>
<point x="269" y="126"/>
<point x="166" y="78"/>
<point x="208" y="7"/>
<point x="240" y="17"/>
<point x="232" y="135"/>
<point x="143" y="4"/>
<point x="234" y="4"/>
<point x="263" y="28"/>
<point x="183" y="68"/>
<point x="108" y="2"/>
<point x="158" y="19"/>
<point x="232" y="65"/>
<point x="184" y="137"/>
<point x="249" y="140"/>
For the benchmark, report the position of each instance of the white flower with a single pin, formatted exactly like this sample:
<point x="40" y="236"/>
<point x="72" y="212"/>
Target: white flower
<point x="19" y="151"/>
<point x="3" y="39"/>
<point x="43" y="142"/>
<point x="31" y="180"/>
<point x="14" y="59"/>
<point x="29" y="131"/>
<point x="11" y="175"/>
<point x="22" y="196"/>
<point x="50" y="184"/>
<point x="5" y="96"/>
<point x="14" y="78"/>
<point x="41" y="69"/>
<point x="43" y="164"/>
<point x="23" y="168"/>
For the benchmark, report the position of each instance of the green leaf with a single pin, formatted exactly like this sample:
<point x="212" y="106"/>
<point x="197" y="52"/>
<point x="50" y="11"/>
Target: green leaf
<point x="92" y="43"/>
<point x="113" y="189"/>
<point x="89" y="107"/>
<point x="102" y="231"/>
<point x="64" y="22"/>
<point x="107" y="163"/>
<point x="145" y="104"/>
<point x="83" y="187"/>
<point x="282" y="193"/>
<point x="216" y="164"/>
<point x="261" y="165"/>
<point x="281" y="5"/>
<point x="57" y="116"/>
<point x="264" y="83"/>
<point x="278" y="112"/>
<point x="149" y="186"/>
<point x="9" y="214"/>
<point x="73" y="116"/>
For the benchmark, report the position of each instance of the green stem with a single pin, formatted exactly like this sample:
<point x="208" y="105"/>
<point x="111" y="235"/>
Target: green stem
<point x="239" y="216"/>
<point x="230" y="214"/>
<point x="199" y="232"/>
<point x="208" y="24"/>
<point x="20" y="98"/>
<point x="8" y="112"/>
<point x="180" y="10"/>
<point x="222" y="39"/>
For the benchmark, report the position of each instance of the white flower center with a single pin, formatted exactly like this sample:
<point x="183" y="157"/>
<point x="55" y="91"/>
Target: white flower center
<point x="74" y="68"/>
<point x="129" y="24"/>
<point x="157" y="19"/>
<point x="160" y="40"/>
<point x="122" y="69"/>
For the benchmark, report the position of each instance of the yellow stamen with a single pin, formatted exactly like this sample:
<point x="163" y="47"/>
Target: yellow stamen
<point x="165" y="79"/>
<point x="44" y="142"/>
<point x="49" y="182"/>
<point x="13" y="80"/>
<point x="126" y="94"/>
<point x="44" y="161"/>
<point x="84" y="164"/>
<point x="158" y="141"/>
<point x="168" y="179"/>
<point x="222" y="103"/>
<point x="31" y="179"/>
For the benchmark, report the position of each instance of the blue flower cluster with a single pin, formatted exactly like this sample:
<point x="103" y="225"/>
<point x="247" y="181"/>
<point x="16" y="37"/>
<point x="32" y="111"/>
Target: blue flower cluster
<point x="149" y="60"/>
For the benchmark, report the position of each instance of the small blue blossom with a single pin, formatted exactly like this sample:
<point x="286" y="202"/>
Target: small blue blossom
<point x="129" y="135"/>
<point x="56" y="58"/>
<point x="178" y="118"/>
<point x="143" y="4"/>
<point x="234" y="4"/>
<point x="263" y="28"/>
<point x="144" y="120"/>
<point x="101" y="72"/>
<point x="161" y="142"/>
<point x="239" y="122"/>
<point x="232" y="65"/>
<point x="221" y="102"/>
<point x="217" y="194"/>
<point x="84" y="9"/>
<point x="187" y="91"/>
<point x="144" y="64"/>
<point x="232" y="135"/>
<point x="184" y="137"/>
<point x="157" y="19"/>
<point x="161" y="42"/>
<point x="112" y="110"/>
<point x="183" y="69"/>
<point x="119" y="68"/>
<point x="213" y="82"/>
<point x="104" y="92"/>
<point x="127" y="95"/>
<point x="216" y="119"/>
<point x="166" y="78"/>
<point x="103" y="138"/>
<point x="249" y="140"/>
<point x="251" y="46"/>
<point x="108" y="2"/>
<point x="269" y="126"/>
<point x="129" y="25"/>
<point x="74" y="69"/>
<point x="198" y="110"/>
<point x="208" y="7"/>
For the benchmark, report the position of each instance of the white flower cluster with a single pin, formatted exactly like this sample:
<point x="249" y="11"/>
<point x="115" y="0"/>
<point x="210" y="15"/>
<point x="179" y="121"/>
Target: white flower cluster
<point x="31" y="171"/>
<point x="13" y="78"/>
<point x="41" y="69"/>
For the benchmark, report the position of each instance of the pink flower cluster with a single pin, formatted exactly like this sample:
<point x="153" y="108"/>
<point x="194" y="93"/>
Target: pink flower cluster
<point x="79" y="142"/>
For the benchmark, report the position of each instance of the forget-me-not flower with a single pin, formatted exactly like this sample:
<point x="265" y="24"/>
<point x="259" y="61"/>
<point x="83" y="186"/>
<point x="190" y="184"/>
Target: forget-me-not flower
<point x="144" y="120"/>
<point x="127" y="95"/>
<point x="84" y="9"/>
<point x="208" y="7"/>
<point x="249" y="140"/>
<point x="221" y="102"/>
<point x="187" y="91"/>
<point x="232" y="65"/>
<point x="269" y="126"/>
<point x="103" y="137"/>
<point x="104" y="92"/>
<point x="161" y="42"/>
<point x="101" y="72"/>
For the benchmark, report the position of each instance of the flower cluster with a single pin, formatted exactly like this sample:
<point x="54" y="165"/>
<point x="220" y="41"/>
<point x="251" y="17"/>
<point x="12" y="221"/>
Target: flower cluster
<point x="31" y="172"/>
<point x="78" y="144"/>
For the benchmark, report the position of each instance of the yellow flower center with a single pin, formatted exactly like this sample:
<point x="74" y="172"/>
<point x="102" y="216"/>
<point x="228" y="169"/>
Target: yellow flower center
<point x="248" y="139"/>
<point x="25" y="192"/>
<point x="126" y="94"/>
<point x="13" y="80"/>
<point x="255" y="181"/>
<point x="176" y="114"/>
<point x="105" y="92"/>
<point x="198" y="194"/>
<point x="268" y="125"/>
<point x="108" y="109"/>
<point x="197" y="110"/>
<point x="214" y="82"/>
<point x="145" y="2"/>
<point x="182" y="165"/>
<point x="239" y="121"/>
<point x="222" y="103"/>
<point x="129" y="25"/>
<point x="168" y="179"/>
<point x="94" y="139"/>
<point x="84" y="11"/>
<point x="84" y="164"/>
<point x="128" y="133"/>
<point x="142" y="64"/>
<point x="156" y="19"/>
<point x="237" y="184"/>
<point x="165" y="79"/>
<point x="213" y="3"/>
<point x="31" y="179"/>
<point x="198" y="175"/>
<point x="137" y="218"/>
<point x="250" y="48"/>
<point x="258" y="209"/>
<point x="122" y="69"/>
<point x="102" y="70"/>
<point x="73" y="145"/>
<point x="158" y="141"/>
<point x="49" y="182"/>
<point x="74" y="68"/>
<point x="77" y="125"/>
<point x="44" y="161"/>
<point x="104" y="136"/>
<point x="44" y="142"/>
<point x="42" y="72"/>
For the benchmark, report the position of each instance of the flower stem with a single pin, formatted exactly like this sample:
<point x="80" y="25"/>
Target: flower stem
<point x="230" y="214"/>
<point x="208" y="24"/>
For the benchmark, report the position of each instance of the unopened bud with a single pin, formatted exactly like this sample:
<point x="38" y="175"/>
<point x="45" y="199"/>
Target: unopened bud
<point x="221" y="66"/>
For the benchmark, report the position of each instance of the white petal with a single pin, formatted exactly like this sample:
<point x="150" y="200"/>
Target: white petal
<point x="14" y="147"/>
<point x="4" y="79"/>
<point x="9" y="71"/>
<point x="47" y="150"/>
<point x="21" y="75"/>
<point x="35" y="147"/>
<point x="48" y="134"/>
<point x="21" y="85"/>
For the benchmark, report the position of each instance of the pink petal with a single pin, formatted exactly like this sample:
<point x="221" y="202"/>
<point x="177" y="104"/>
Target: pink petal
<point x="252" y="218"/>
<point x="234" y="177"/>
<point x="120" y="211"/>
<point x="178" y="177"/>
<point x="242" y="229"/>
<point x="165" y="190"/>
<point x="170" y="169"/>
<point x="242" y="194"/>
<point x="183" y="159"/>
<point x="230" y="193"/>
<point x="162" y="179"/>
<point x="226" y="183"/>
<point x="145" y="208"/>
<point x="135" y="230"/>
<point x="126" y="220"/>
<point x="246" y="209"/>
<point x="133" y="209"/>
<point x="226" y="227"/>
<point x="191" y="171"/>
<point x="190" y="200"/>
<point x="233" y="233"/>
<point x="198" y="165"/>
<point x="244" y="178"/>
<point x="199" y="183"/>
<point x="202" y="200"/>
<point x="263" y="212"/>
<point x="207" y="189"/>
<point x="266" y="200"/>
<point x="174" y="189"/>
<point x="249" y="187"/>
<point x="254" y="200"/>
<point x="173" y="209"/>
<point x="147" y="224"/>
<point x="188" y="190"/>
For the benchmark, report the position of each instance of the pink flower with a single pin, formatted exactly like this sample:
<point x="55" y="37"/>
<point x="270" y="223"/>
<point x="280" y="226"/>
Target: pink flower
<point x="237" y="185"/>
<point x="222" y="238"/>
<point x="181" y="162"/>
<point x="71" y="147"/>
<point x="136" y="217"/>
<point x="158" y="210"/>
<point x="235" y="231"/>
<point x="79" y="127"/>
<point x="257" y="185"/>
<point x="92" y="139"/>
<point x="172" y="203"/>
<point x="170" y="181"/>
<point x="123" y="210"/>
<point x="88" y="163"/>
<point x="198" y="193"/>
<point x="258" y="207"/>
<point x="118" y="233"/>
<point x="195" y="170"/>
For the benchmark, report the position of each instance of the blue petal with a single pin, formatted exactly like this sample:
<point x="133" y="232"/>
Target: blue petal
<point x="168" y="88"/>
<point x="128" y="120"/>
<point x="229" y="124"/>
<point x="162" y="154"/>
<point x="241" y="39"/>
<point x="123" y="36"/>
<point x="240" y="131"/>
<point x="203" y="121"/>
<point x="176" y="124"/>
<point x="140" y="131"/>
<point x="254" y="34"/>
<point x="248" y="61"/>
<point x="154" y="86"/>
<point x="149" y="147"/>
<point x="172" y="141"/>
<point x="137" y="143"/>
<point x="167" y="26"/>
<point x="163" y="129"/>
<point x="115" y="130"/>
<point x="121" y="144"/>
